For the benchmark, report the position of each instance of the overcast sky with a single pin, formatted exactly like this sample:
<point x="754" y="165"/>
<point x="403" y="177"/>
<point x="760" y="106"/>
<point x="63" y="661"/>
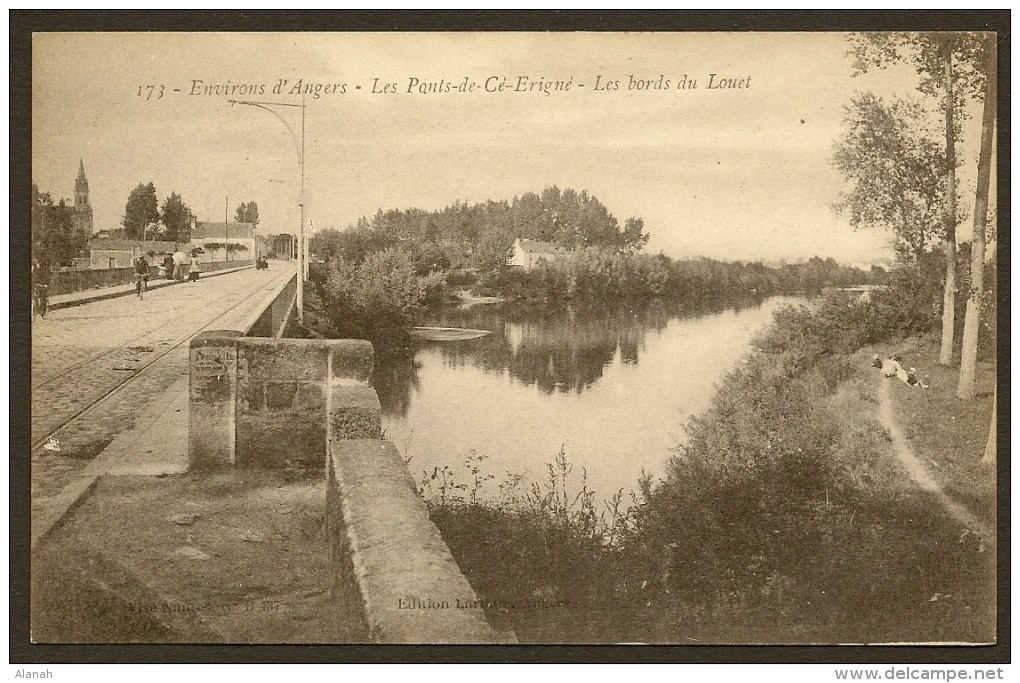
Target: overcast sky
<point x="729" y="173"/>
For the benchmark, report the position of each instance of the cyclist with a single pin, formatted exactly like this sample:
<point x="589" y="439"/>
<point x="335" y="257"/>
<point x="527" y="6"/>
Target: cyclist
<point x="40" y="289"/>
<point x="141" y="276"/>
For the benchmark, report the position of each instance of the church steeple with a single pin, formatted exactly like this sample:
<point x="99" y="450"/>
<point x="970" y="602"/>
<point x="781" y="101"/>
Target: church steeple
<point x="82" y="206"/>
<point x="81" y="188"/>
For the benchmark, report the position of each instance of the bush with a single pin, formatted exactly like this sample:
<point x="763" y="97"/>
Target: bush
<point x="376" y="299"/>
<point x="765" y="514"/>
<point x="546" y="556"/>
<point x="461" y="277"/>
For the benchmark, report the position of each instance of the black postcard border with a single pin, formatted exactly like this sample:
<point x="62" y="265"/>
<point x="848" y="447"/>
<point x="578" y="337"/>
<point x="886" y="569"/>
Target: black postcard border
<point x="22" y="23"/>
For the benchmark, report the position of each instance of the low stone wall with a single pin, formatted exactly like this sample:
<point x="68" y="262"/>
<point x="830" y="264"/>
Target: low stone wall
<point x="81" y="280"/>
<point x="388" y="556"/>
<point x="274" y="321"/>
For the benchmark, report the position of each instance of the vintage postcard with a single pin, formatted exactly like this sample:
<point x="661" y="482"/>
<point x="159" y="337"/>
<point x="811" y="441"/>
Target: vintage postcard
<point x="514" y="337"/>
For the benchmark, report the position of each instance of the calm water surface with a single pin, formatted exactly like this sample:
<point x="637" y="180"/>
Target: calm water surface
<point x="614" y="387"/>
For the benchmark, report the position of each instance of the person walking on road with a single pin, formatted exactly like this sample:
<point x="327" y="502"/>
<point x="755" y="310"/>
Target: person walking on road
<point x="195" y="268"/>
<point x="141" y="276"/>
<point x="168" y="263"/>
<point x="180" y="260"/>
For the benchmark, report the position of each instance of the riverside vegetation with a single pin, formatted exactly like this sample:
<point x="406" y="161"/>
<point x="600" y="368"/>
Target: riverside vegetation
<point x="783" y="518"/>
<point x="374" y="278"/>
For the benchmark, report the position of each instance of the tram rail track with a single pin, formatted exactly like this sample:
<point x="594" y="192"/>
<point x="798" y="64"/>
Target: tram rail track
<point x="135" y="374"/>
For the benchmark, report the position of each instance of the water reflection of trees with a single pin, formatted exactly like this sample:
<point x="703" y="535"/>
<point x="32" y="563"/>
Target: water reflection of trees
<point x="394" y="376"/>
<point x="556" y="349"/>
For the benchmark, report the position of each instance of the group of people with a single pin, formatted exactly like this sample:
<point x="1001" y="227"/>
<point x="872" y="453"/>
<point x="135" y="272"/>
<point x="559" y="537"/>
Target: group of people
<point x="175" y="266"/>
<point x="172" y="267"/>
<point x="261" y="263"/>
<point x="891" y="367"/>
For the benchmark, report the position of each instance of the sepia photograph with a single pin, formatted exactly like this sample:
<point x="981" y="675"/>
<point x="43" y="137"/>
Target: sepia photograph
<point x="513" y="338"/>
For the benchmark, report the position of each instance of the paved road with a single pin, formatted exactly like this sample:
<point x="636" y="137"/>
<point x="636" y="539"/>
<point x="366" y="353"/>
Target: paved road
<point x="97" y="366"/>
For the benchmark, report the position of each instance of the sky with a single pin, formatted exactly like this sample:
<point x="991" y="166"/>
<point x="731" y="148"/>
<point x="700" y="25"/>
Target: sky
<point x="730" y="173"/>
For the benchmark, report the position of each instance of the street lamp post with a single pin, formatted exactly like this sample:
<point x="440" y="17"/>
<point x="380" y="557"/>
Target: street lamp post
<point x="300" y="149"/>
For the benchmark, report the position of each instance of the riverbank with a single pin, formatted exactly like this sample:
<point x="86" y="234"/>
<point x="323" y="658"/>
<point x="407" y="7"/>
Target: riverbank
<point x="949" y="433"/>
<point x="787" y="516"/>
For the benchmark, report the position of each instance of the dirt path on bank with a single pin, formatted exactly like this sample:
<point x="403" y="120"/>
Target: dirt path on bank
<point x="915" y="468"/>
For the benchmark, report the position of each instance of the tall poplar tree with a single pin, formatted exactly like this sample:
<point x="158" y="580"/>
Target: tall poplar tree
<point x="141" y="211"/>
<point x="972" y="321"/>
<point x="945" y="63"/>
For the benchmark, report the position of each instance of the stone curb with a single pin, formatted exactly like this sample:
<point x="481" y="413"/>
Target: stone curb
<point x="53" y="511"/>
<point x="56" y="509"/>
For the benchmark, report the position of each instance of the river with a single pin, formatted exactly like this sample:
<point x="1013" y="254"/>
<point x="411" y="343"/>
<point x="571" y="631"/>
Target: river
<point x="613" y="386"/>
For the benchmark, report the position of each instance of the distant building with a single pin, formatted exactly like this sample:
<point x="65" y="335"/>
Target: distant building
<point x="224" y="241"/>
<point x="121" y="253"/>
<point x="110" y="234"/>
<point x="528" y="253"/>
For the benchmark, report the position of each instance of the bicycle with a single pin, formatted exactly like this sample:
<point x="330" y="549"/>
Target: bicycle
<point x="40" y="301"/>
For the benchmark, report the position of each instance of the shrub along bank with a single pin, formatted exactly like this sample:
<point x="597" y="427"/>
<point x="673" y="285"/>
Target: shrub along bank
<point x="783" y="518"/>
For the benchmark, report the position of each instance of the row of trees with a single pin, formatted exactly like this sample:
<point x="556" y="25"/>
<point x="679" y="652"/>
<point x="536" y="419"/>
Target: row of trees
<point x="903" y="175"/>
<point x="480" y="235"/>
<point x="56" y="240"/>
<point x="463" y="245"/>
<point x="144" y="218"/>
<point x="596" y="273"/>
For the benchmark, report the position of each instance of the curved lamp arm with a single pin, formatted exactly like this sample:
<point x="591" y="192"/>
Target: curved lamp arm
<point x="261" y="105"/>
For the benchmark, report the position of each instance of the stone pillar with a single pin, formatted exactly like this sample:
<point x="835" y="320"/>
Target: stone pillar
<point x="258" y="402"/>
<point x="212" y="399"/>
<point x="281" y="402"/>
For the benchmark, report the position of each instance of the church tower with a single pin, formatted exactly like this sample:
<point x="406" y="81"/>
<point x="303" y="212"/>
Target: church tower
<point x="82" y="207"/>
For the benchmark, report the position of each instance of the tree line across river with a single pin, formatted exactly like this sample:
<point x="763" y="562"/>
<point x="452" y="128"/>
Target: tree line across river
<point x="375" y="276"/>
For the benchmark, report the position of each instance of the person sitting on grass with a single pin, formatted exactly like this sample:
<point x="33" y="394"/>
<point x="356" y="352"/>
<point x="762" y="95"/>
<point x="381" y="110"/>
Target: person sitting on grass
<point x="913" y="380"/>
<point x="891" y="366"/>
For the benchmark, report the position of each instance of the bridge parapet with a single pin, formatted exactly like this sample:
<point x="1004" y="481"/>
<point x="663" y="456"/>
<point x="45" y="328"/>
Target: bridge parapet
<point x="259" y="402"/>
<point x="388" y="559"/>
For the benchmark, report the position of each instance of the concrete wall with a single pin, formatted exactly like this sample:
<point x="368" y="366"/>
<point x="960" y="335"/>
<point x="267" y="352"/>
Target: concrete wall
<point x="274" y="321"/>
<point x="388" y="559"/>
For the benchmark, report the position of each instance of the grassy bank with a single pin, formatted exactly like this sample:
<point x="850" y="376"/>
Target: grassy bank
<point x="785" y="517"/>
